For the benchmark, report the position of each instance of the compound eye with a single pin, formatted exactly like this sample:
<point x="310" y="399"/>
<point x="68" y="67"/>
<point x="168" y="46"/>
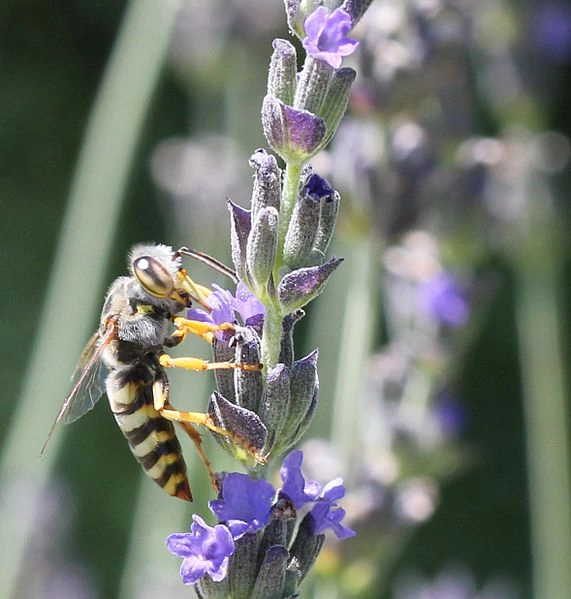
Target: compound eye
<point x="153" y="276"/>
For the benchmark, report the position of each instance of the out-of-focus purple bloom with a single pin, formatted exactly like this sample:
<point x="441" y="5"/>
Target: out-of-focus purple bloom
<point x="245" y="505"/>
<point x="442" y="299"/>
<point x="551" y="26"/>
<point x="205" y="550"/>
<point x="326" y="36"/>
<point x="225" y="307"/>
<point x="450" y="414"/>
<point x="325" y="515"/>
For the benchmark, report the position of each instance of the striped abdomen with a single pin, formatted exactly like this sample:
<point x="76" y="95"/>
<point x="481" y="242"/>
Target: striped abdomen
<point x="151" y="437"/>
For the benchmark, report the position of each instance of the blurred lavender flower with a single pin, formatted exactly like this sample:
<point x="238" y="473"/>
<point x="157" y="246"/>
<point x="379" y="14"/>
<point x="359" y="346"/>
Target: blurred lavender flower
<point x="442" y="299"/>
<point x="551" y="29"/>
<point x="326" y="35"/>
<point x="454" y="582"/>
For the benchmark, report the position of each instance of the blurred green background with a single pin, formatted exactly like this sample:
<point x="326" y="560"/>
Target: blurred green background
<point x="52" y="60"/>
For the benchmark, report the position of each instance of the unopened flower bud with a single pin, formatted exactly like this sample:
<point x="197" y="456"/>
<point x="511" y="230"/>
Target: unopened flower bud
<point x="247" y="432"/>
<point x="287" y="354"/>
<point x="301" y="286"/>
<point x="267" y="181"/>
<point x="261" y="246"/>
<point x="304" y="388"/>
<point x="335" y="102"/>
<point x="283" y="71"/>
<point x="275" y="402"/>
<point x="222" y="352"/>
<point x="306" y="547"/>
<point x="242" y="568"/>
<point x="247" y="383"/>
<point x="327" y="220"/>
<point x="240" y="223"/>
<point x="302" y="230"/>
<point x="313" y="85"/>
<point x="296" y="135"/>
<point x="355" y="9"/>
<point x="271" y="578"/>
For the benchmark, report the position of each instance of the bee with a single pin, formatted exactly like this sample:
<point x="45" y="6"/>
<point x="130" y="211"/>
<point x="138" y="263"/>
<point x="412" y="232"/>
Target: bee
<point x="126" y="359"/>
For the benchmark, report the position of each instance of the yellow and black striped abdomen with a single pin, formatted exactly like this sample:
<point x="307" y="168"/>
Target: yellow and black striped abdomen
<point x="151" y="437"/>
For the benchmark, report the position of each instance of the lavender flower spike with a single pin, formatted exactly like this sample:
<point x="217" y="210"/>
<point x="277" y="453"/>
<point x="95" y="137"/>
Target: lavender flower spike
<point x="326" y="37"/>
<point x="205" y="550"/>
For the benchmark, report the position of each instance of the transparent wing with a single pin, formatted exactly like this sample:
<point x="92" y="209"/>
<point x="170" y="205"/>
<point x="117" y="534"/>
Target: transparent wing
<point x="88" y="381"/>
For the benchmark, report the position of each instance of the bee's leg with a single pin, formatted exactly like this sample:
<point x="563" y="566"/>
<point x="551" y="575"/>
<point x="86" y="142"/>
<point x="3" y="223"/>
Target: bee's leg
<point x="160" y="401"/>
<point x="199" y="364"/>
<point x="166" y="410"/>
<point x="184" y="326"/>
<point x="197" y="440"/>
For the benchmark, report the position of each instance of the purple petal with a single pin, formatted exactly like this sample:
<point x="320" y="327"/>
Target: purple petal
<point x="333" y="490"/>
<point x="205" y="549"/>
<point x="222" y="303"/>
<point x="442" y="299"/>
<point x="199" y="314"/>
<point x="244" y="500"/>
<point x="294" y="485"/>
<point x="326" y="37"/>
<point x="247" y="304"/>
<point x="326" y="516"/>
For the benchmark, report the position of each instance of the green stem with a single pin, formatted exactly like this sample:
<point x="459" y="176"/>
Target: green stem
<point x="272" y="333"/>
<point x="290" y="193"/>
<point x="271" y="337"/>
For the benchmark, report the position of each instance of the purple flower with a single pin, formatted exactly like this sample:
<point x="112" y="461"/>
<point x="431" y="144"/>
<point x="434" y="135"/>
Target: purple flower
<point x="318" y="187"/>
<point x="294" y="485"/>
<point x="442" y="299"/>
<point x="325" y="514"/>
<point x="450" y="414"/>
<point x="551" y="28"/>
<point x="245" y="505"/>
<point x="248" y="306"/>
<point x="225" y="307"/>
<point x="326" y="36"/>
<point x="205" y="550"/>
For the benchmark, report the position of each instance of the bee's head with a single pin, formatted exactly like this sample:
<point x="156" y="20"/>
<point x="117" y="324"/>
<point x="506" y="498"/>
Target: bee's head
<point x="156" y="269"/>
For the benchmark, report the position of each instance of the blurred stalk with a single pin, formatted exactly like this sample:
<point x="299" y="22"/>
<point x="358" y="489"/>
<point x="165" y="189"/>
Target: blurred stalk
<point x="79" y="266"/>
<point x="356" y="338"/>
<point x="540" y="323"/>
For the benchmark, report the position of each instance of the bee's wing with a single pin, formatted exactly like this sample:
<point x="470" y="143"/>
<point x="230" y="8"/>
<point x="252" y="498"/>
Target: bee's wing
<point x="88" y="381"/>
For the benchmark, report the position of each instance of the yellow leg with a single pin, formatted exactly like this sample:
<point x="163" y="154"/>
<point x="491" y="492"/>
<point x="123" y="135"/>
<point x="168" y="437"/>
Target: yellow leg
<point x="197" y="440"/>
<point x="205" y="330"/>
<point x="187" y="419"/>
<point x="199" y="364"/>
